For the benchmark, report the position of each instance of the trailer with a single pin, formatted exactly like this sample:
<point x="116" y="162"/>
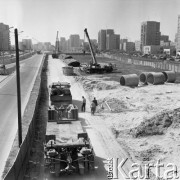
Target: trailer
<point x="69" y="152"/>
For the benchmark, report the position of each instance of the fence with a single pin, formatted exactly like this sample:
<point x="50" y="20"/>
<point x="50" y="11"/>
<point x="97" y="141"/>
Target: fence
<point x="17" y="169"/>
<point x="164" y="65"/>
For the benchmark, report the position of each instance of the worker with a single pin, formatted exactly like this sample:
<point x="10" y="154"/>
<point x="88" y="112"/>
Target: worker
<point x="93" y="107"/>
<point x="95" y="102"/>
<point x="83" y="107"/>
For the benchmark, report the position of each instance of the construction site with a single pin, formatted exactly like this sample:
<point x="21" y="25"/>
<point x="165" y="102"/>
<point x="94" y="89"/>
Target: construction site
<point x="135" y="123"/>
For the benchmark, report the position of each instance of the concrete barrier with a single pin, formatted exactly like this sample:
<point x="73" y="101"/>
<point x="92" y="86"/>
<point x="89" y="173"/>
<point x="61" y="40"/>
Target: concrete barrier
<point x="17" y="170"/>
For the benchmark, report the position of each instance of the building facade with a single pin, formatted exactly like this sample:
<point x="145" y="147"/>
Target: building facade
<point x="27" y="44"/>
<point x="178" y="37"/>
<point x="137" y="45"/>
<point x="129" y="46"/>
<point x="150" y="33"/>
<point x="74" y="41"/>
<point x="5" y="43"/>
<point x="102" y="40"/>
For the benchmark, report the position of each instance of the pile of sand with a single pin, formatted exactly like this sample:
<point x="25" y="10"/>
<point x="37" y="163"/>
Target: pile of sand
<point x="158" y="124"/>
<point x="90" y="84"/>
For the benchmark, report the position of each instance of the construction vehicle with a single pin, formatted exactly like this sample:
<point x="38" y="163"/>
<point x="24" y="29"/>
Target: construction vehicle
<point x="93" y="66"/>
<point x="61" y="109"/>
<point x="62" y="158"/>
<point x="67" y="149"/>
<point x="60" y="92"/>
<point x="56" y="52"/>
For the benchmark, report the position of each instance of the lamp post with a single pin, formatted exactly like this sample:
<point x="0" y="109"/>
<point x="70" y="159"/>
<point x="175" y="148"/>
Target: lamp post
<point x="18" y="88"/>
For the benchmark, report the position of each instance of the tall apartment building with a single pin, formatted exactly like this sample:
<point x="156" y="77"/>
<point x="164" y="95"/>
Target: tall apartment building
<point x="4" y="37"/>
<point x="150" y="33"/>
<point x="122" y="41"/>
<point x="178" y="37"/>
<point x="112" y="41"/>
<point x="102" y="40"/>
<point x="74" y="40"/>
<point x="27" y="44"/>
<point x="63" y="44"/>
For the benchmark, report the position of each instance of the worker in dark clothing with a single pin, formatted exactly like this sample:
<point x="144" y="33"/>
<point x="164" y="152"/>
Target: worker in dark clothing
<point x="96" y="104"/>
<point x="83" y="107"/>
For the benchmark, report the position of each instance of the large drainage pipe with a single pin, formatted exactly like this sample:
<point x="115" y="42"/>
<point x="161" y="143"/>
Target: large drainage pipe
<point x="170" y="76"/>
<point x="129" y="80"/>
<point x="143" y="77"/>
<point x="156" y="78"/>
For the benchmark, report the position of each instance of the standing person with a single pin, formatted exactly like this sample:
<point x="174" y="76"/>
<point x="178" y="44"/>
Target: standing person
<point x="83" y="107"/>
<point x="95" y="102"/>
<point x="93" y="108"/>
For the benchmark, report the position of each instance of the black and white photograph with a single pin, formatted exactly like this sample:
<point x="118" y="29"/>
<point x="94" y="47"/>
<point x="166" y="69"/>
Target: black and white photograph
<point x="89" y="89"/>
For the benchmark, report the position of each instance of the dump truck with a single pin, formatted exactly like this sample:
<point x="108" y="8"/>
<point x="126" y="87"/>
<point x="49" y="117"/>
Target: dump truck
<point x="62" y="158"/>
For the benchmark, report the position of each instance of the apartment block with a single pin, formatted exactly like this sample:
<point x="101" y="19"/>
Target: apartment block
<point x="129" y="46"/>
<point x="4" y="37"/>
<point x="150" y="33"/>
<point x="102" y="40"/>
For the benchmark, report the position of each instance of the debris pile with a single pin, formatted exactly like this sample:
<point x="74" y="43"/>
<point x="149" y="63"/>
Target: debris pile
<point x="90" y="84"/>
<point x="158" y="124"/>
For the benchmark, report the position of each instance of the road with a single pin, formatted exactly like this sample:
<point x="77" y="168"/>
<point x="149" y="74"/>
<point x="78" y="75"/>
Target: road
<point x="104" y="143"/>
<point x="8" y="103"/>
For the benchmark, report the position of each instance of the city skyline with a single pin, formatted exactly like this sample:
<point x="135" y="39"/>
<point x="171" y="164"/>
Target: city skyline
<point x="41" y="19"/>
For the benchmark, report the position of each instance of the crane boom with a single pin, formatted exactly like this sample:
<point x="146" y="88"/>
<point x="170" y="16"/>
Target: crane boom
<point x="90" y="45"/>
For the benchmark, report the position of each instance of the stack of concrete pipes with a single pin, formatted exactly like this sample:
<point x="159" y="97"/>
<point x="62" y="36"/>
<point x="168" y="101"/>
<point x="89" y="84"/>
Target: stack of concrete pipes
<point x="154" y="78"/>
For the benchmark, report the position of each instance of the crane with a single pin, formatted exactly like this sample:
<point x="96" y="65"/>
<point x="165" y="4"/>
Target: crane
<point x="95" y="67"/>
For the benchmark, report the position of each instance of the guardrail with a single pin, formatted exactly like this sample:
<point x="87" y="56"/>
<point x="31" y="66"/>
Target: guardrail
<point x="165" y="65"/>
<point x="17" y="169"/>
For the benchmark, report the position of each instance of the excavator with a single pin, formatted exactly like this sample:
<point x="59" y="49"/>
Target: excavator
<point x="94" y="66"/>
<point x="56" y="51"/>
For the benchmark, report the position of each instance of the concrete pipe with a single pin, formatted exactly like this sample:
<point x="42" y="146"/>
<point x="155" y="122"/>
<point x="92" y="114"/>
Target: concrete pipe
<point x="170" y="76"/>
<point x="143" y="77"/>
<point x="129" y="80"/>
<point x="156" y="78"/>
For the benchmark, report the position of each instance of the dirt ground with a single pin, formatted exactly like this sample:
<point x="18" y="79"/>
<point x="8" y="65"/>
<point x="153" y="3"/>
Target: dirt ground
<point x="144" y="119"/>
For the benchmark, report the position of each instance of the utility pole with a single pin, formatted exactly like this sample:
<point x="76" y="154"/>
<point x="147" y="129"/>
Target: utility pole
<point x="18" y="88"/>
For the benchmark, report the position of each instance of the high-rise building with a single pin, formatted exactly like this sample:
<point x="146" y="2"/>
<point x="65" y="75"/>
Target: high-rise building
<point x="74" y="40"/>
<point x="112" y="41"/>
<point x="102" y="40"/>
<point x="27" y="44"/>
<point x="178" y="37"/>
<point x="63" y="44"/>
<point x="122" y="41"/>
<point x="150" y="33"/>
<point x="4" y="37"/>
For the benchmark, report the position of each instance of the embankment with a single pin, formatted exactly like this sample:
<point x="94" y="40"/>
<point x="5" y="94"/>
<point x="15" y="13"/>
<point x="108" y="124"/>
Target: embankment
<point x="15" y="165"/>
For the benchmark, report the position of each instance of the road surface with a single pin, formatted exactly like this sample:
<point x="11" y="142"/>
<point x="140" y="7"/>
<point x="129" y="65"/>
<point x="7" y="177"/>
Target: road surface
<point x="8" y="103"/>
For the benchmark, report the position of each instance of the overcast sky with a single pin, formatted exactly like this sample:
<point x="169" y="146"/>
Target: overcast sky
<point x="41" y="19"/>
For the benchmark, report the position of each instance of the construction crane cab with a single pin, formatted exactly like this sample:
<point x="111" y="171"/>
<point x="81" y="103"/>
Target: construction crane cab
<point x="94" y="66"/>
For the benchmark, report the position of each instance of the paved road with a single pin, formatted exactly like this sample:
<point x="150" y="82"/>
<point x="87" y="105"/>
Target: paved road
<point x="8" y="103"/>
